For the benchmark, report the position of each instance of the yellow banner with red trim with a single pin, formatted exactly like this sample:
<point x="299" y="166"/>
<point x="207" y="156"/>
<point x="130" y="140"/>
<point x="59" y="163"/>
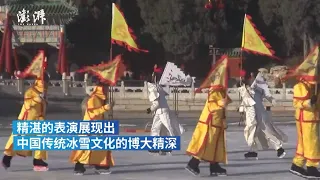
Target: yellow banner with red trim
<point x="253" y="41"/>
<point x="218" y="76"/>
<point x="308" y="69"/>
<point x="109" y="72"/>
<point x="36" y="67"/>
<point x="121" y="34"/>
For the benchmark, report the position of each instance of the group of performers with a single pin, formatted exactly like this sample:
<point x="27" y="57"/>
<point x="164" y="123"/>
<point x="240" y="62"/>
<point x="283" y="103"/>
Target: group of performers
<point x="93" y="107"/>
<point x="208" y="142"/>
<point x="34" y="108"/>
<point x="259" y="131"/>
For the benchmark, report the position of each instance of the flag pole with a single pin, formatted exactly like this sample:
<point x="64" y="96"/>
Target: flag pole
<point x="110" y="99"/>
<point x="317" y="77"/>
<point x="241" y="65"/>
<point x="241" y="62"/>
<point x="242" y="45"/>
<point x="43" y="67"/>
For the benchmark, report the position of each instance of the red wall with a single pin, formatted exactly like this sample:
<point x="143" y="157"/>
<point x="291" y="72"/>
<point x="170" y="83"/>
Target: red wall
<point x="234" y="67"/>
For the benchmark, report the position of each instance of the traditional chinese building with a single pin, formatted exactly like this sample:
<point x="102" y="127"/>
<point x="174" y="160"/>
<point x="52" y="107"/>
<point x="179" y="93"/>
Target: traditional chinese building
<point x="36" y="26"/>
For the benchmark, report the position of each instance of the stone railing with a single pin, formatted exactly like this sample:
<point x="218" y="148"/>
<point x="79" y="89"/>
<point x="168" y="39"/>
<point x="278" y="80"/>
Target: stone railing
<point x="123" y="90"/>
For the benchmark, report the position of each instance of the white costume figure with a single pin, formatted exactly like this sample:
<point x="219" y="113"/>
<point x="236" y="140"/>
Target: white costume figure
<point x="247" y="105"/>
<point x="163" y="123"/>
<point x="260" y="130"/>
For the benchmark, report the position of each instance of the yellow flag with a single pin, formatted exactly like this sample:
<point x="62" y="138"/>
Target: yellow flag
<point x="121" y="34"/>
<point x="252" y="41"/>
<point x="218" y="76"/>
<point x="308" y="69"/>
<point x="109" y="73"/>
<point x="36" y="67"/>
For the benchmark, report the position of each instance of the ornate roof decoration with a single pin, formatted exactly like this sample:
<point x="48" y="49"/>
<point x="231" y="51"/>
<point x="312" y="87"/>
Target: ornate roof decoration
<point x="56" y="11"/>
<point x="51" y="8"/>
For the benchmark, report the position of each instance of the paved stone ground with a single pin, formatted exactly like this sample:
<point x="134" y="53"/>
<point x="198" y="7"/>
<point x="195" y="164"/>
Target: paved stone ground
<point x="142" y="166"/>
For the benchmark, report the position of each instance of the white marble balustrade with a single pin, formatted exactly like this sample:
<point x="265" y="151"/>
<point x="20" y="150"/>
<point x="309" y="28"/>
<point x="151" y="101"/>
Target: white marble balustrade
<point x="66" y="87"/>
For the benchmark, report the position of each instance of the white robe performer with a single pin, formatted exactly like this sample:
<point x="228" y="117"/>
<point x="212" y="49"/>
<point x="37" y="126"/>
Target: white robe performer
<point x="162" y="118"/>
<point x="260" y="130"/>
<point x="247" y="105"/>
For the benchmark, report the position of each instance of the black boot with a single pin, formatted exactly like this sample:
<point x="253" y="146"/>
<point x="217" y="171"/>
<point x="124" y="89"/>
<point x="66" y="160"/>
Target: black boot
<point x="79" y="169"/>
<point x="281" y="153"/>
<point x="251" y="155"/>
<point x="102" y="169"/>
<point x="193" y="166"/>
<point x="312" y="172"/>
<point x="6" y="161"/>
<point x="40" y="165"/>
<point x="217" y="170"/>
<point x="299" y="171"/>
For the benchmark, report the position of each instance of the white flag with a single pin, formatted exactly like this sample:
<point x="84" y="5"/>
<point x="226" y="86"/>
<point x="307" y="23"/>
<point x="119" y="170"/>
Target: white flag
<point x="174" y="76"/>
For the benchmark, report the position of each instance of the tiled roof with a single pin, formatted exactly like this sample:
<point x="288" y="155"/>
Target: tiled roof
<point x="51" y="8"/>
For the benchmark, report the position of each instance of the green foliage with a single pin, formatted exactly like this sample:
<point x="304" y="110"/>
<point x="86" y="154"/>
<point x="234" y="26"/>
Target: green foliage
<point x="291" y="19"/>
<point x="184" y="28"/>
<point x="178" y="25"/>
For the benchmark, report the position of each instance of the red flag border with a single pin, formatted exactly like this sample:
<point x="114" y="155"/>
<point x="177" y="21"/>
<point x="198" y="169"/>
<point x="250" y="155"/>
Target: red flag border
<point x="110" y="82"/>
<point x="121" y="43"/>
<point x="219" y="87"/>
<point x="292" y="71"/>
<point x="24" y="74"/>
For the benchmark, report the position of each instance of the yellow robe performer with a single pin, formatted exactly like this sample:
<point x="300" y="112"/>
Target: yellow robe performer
<point x="104" y="73"/>
<point x="34" y="108"/>
<point x="208" y="142"/>
<point x="102" y="160"/>
<point x="307" y="122"/>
